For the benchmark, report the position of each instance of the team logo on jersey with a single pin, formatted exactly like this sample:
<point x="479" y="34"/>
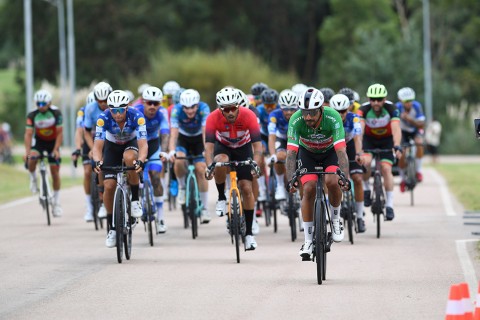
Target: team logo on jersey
<point x="356" y="119"/>
<point x="80" y="113"/>
<point x="273" y="119"/>
<point x="141" y="121"/>
<point x="100" y="122"/>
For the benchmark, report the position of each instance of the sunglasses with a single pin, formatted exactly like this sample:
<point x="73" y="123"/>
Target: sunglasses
<point x="41" y="104"/>
<point x="342" y="111"/>
<point x="311" y="113"/>
<point x="191" y="107"/>
<point x="289" y="109"/>
<point x="407" y="101"/>
<point x="376" y="99"/>
<point x="102" y="101"/>
<point x="152" y="103"/>
<point x="229" y="109"/>
<point x="118" y="110"/>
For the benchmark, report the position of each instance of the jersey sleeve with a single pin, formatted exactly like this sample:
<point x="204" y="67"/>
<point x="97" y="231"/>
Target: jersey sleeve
<point x="58" y="118"/>
<point x="87" y="121"/>
<point x="30" y="120"/>
<point x="204" y="112"/>
<point x="254" y="127"/>
<point x="272" y="123"/>
<point x="80" y="116"/>
<point x="101" y="129"/>
<point x="357" y="127"/>
<point x="210" y="127"/>
<point x="293" y="136"/>
<point x="174" y="116"/>
<point x="338" y="131"/>
<point x="141" y="127"/>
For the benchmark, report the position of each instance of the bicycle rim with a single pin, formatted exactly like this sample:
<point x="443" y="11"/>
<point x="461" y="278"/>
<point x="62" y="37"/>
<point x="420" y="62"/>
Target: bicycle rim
<point x="119" y="216"/>
<point x="127" y="236"/>
<point x="291" y="217"/>
<point x="319" y="248"/>
<point x="350" y="222"/>
<point x="45" y="195"/>
<point x="148" y="210"/>
<point x="325" y="238"/>
<point x="235" y="223"/>
<point x="192" y="207"/>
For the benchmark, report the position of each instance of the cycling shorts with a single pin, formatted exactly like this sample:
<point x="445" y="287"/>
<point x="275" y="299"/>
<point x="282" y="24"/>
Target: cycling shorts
<point x="280" y="144"/>
<point x="41" y="145"/>
<point x="310" y="160"/>
<point x="382" y="143"/>
<point x="191" y="146"/>
<point x="239" y="154"/>
<point x="113" y="155"/>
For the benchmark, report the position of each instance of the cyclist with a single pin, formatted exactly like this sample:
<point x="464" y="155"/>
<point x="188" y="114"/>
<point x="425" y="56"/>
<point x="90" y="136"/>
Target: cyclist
<point x="316" y="134"/>
<point x="87" y="165"/>
<point x="120" y="135"/>
<point x="412" y="121"/>
<point x="277" y="137"/>
<point x="381" y="129"/>
<point x="353" y="138"/>
<point x="158" y="130"/>
<point x="256" y="90"/>
<point x="327" y="95"/>
<point x="231" y="133"/>
<point x="140" y="89"/>
<point x="299" y="88"/>
<point x="187" y="137"/>
<point x="354" y="105"/>
<point x="92" y="112"/>
<point x="269" y="103"/>
<point x="169" y="89"/>
<point x="46" y="124"/>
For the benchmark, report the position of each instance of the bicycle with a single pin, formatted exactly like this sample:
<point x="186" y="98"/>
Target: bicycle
<point x="272" y="202"/>
<point x="236" y="219"/>
<point x="193" y="207"/>
<point x="148" y="203"/>
<point x="172" y="189"/>
<point x="45" y="195"/>
<point x="122" y="217"/>
<point x="378" y="194"/>
<point x="348" y="213"/>
<point x="322" y="238"/>
<point x="293" y="204"/>
<point x="411" y="168"/>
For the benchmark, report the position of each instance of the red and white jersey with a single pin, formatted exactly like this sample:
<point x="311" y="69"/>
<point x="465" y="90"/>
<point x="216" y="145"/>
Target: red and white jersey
<point x="245" y="129"/>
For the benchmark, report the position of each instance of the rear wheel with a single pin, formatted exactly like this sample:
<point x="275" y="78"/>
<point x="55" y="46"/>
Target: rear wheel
<point x="95" y="200"/>
<point x="192" y="207"/>
<point x="235" y="222"/>
<point x="45" y="195"/>
<point x="411" y="177"/>
<point x="147" y="207"/>
<point x="292" y="217"/>
<point x="349" y="212"/>
<point x="119" y="216"/>
<point x="127" y="236"/>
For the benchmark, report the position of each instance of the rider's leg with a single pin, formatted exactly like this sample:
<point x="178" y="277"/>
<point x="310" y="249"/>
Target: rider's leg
<point x="388" y="183"/>
<point x="55" y="170"/>
<point x="248" y="202"/>
<point x="280" y="168"/>
<point x="180" y="169"/>
<point x="367" y="162"/>
<point x="358" y="190"/>
<point x="334" y="195"/>
<point x="133" y="179"/>
<point x="221" y="175"/>
<point x="157" y="193"/>
<point x="308" y="201"/>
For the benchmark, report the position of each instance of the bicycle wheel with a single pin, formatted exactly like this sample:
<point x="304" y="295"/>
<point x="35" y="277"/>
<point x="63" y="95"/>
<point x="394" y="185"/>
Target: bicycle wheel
<point x="45" y="195"/>
<point x="119" y="216"/>
<point x="235" y="222"/>
<point x="326" y="239"/>
<point x="411" y="177"/>
<point x="319" y="222"/>
<point x="267" y="213"/>
<point x="349" y="212"/>
<point x="127" y="231"/>
<point x="192" y="207"/>
<point x="95" y="200"/>
<point x="377" y="200"/>
<point x="147" y="207"/>
<point x="272" y="185"/>
<point x="292" y="217"/>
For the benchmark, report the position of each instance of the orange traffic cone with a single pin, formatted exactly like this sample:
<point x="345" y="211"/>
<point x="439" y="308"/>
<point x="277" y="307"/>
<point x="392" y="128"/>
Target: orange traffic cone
<point x="467" y="303"/>
<point x="455" y="304"/>
<point x="477" y="305"/>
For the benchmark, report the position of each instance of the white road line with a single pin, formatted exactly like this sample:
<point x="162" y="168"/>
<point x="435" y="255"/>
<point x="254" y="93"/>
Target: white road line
<point x="447" y="200"/>
<point x="467" y="266"/>
<point x="17" y="202"/>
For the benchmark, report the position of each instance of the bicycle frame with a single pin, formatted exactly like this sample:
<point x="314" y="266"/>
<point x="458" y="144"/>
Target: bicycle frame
<point x="45" y="196"/>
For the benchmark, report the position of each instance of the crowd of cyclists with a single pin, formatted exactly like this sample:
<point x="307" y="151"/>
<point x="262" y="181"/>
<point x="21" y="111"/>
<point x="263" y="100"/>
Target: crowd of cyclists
<point x="300" y="127"/>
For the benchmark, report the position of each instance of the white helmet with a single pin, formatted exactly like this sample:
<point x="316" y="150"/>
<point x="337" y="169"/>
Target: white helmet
<point x="288" y="99"/>
<point x="405" y="94"/>
<point x="118" y="99"/>
<point x="243" y="100"/>
<point x="339" y="102"/>
<point x="189" y="98"/>
<point x="356" y="96"/>
<point x="152" y="94"/>
<point x="227" y="96"/>
<point x="142" y="87"/>
<point x="130" y="95"/>
<point x="310" y="99"/>
<point x="170" y="87"/>
<point x="90" y="98"/>
<point x="299" y="88"/>
<point x="102" y="90"/>
<point x="42" y="96"/>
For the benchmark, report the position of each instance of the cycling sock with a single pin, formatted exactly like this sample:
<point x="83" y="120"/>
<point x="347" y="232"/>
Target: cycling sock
<point x="110" y="221"/>
<point x="366" y="185"/>
<point x="181" y="182"/>
<point x="359" y="205"/>
<point x="134" y="189"/>
<point x="33" y="176"/>
<point x="280" y="181"/>
<point x="88" y="199"/>
<point x="335" y="212"/>
<point x="159" y="203"/>
<point x="308" y="230"/>
<point x="221" y="191"/>
<point x="204" y="198"/>
<point x="389" y="202"/>
<point x="418" y="163"/>
<point x="248" y="220"/>
<point x="56" y="196"/>
<point x="402" y="173"/>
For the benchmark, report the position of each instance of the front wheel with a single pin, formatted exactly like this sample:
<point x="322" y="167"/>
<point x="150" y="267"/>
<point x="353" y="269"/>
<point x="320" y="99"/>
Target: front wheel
<point x="235" y="222"/>
<point x="44" y="194"/>
<point x="292" y="212"/>
<point x="192" y="207"/>
<point x="320" y="225"/>
<point x="119" y="216"/>
<point x="127" y="236"/>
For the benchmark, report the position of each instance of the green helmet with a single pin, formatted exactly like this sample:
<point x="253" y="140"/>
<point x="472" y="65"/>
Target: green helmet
<point x="377" y="90"/>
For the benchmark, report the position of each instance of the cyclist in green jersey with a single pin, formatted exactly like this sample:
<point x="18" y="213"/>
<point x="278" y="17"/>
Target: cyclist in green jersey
<point x="316" y="134"/>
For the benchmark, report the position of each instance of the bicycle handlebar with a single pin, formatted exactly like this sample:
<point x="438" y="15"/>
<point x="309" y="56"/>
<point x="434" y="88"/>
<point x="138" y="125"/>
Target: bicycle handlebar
<point x="117" y="169"/>
<point x="303" y="171"/>
<point x="234" y="164"/>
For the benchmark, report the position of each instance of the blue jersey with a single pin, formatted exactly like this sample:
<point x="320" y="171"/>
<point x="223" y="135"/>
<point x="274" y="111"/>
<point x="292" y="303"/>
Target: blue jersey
<point x="263" y="116"/>
<point x="352" y="126"/>
<point x="92" y="111"/>
<point x="155" y="126"/>
<point x="108" y="128"/>
<point x="415" y="112"/>
<point x="189" y="127"/>
<point x="80" y="117"/>
<point x="277" y="124"/>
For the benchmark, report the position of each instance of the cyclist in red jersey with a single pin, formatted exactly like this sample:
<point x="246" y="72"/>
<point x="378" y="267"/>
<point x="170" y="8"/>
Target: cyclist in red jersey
<point x="231" y="132"/>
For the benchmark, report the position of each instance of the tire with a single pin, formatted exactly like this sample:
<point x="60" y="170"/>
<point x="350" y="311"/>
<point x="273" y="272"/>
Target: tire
<point x="319" y="240"/>
<point x="350" y="210"/>
<point x="95" y="200"/>
<point x="326" y="238"/>
<point x="412" y="177"/>
<point x="45" y="195"/>
<point x="267" y="213"/>
<point x="377" y="200"/>
<point x="147" y="207"/>
<point x="235" y="222"/>
<point x="192" y="206"/>
<point x="272" y="185"/>
<point x="119" y="216"/>
<point x="292" y="217"/>
<point x="127" y="236"/>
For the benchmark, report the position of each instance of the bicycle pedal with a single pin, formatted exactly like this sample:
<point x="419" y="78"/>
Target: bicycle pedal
<point x="306" y="258"/>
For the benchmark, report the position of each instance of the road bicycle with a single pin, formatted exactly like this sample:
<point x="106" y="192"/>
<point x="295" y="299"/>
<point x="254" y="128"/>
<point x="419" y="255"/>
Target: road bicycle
<point x="292" y="207"/>
<point x="236" y="219"/>
<point x="122" y="215"/>
<point x="192" y="209"/>
<point x="378" y="194"/>
<point x="411" y="168"/>
<point x="272" y="188"/>
<point x="45" y="195"/>
<point x="322" y="237"/>
<point x="148" y="204"/>
<point x="348" y="213"/>
<point x="172" y="188"/>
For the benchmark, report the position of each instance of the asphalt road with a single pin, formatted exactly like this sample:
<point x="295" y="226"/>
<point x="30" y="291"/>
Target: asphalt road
<point x="65" y="271"/>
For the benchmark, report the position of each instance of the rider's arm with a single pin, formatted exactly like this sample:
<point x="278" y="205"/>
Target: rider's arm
<point x="27" y="139"/>
<point x="291" y="163"/>
<point x="271" y="143"/>
<point x="164" y="141"/>
<point x="173" y="139"/>
<point x="209" y="147"/>
<point x="257" y="152"/>
<point x="142" y="149"/>
<point x="58" y="139"/>
<point x="343" y="161"/>
<point x="396" y="132"/>
<point x="98" y="150"/>
<point x="78" y="138"/>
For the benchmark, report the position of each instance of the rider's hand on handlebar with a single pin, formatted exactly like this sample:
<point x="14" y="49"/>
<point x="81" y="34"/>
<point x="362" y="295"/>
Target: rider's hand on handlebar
<point x="272" y="158"/>
<point x="255" y="169"/>
<point x="163" y="156"/>
<point x="210" y="171"/>
<point x="171" y="155"/>
<point x="292" y="186"/>
<point x="98" y="166"/>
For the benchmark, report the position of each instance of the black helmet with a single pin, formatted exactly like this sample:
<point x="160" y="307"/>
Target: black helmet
<point x="348" y="92"/>
<point x="269" y="96"/>
<point x="257" y="88"/>
<point x="327" y="94"/>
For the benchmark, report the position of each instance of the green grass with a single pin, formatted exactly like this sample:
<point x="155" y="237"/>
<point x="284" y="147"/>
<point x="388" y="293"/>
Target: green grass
<point x="15" y="183"/>
<point x="464" y="182"/>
